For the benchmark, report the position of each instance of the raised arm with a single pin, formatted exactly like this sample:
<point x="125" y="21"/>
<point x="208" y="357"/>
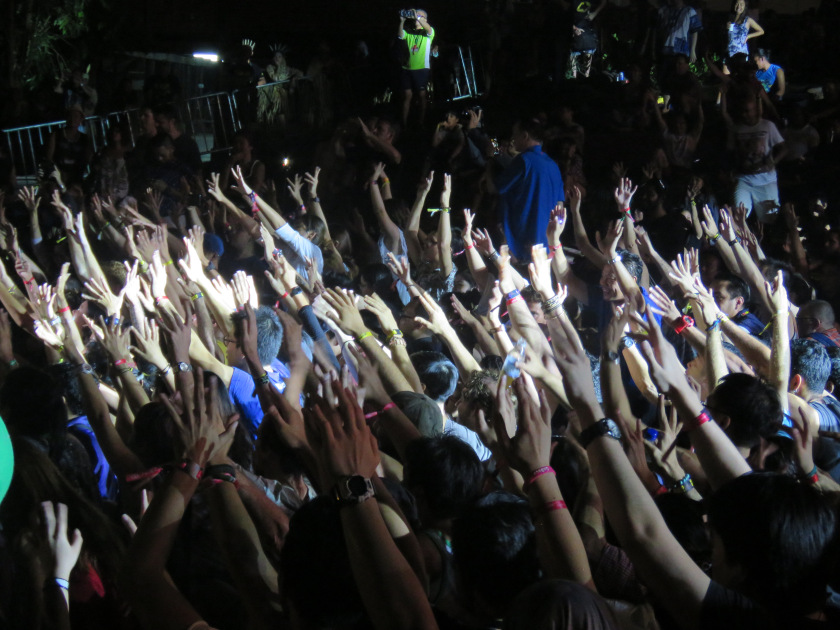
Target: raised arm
<point x="389" y="229"/>
<point x="412" y="231"/>
<point x="592" y="253"/>
<point x="444" y="235"/>
<point x="559" y="263"/>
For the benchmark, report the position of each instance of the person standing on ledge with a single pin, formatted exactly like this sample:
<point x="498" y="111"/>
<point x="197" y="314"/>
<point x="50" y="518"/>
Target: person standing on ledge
<point x="418" y="35"/>
<point x="530" y="187"/>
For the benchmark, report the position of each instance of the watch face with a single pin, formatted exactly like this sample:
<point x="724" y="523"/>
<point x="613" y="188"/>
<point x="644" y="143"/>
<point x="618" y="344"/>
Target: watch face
<point x="612" y="429"/>
<point x="356" y="485"/>
<point x="184" y="367"/>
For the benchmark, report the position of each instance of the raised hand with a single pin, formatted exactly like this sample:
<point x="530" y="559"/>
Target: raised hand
<point x="681" y="275"/>
<point x="312" y="180"/>
<point x="624" y="193"/>
<point x="65" y="549"/>
<point x="425" y="185"/>
<point x="708" y="223"/>
<point x="147" y="343"/>
<point x="778" y="294"/>
<point x="446" y="193"/>
<point x="556" y="224"/>
<point x="400" y="267"/>
<point x="437" y="322"/>
<point x="483" y="242"/>
<point x="347" y="315"/>
<point x="377" y="306"/>
<point x="540" y="271"/>
<point x="529" y="448"/>
<point x="609" y="244"/>
<point x="664" y="451"/>
<point x="214" y="189"/>
<point x="99" y="291"/>
<point x="665" y="306"/>
<point x="294" y="187"/>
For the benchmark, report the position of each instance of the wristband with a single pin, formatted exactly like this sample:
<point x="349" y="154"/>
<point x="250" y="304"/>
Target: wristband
<point x="385" y="181"/>
<point x="513" y="294"/>
<point x="468" y="247"/>
<point x="295" y="291"/>
<point x="160" y="299"/>
<point x="700" y="420"/>
<point x="364" y="335"/>
<point x="615" y="260"/>
<point x="493" y="255"/>
<point x="539" y="472"/>
<point x="316" y="200"/>
<point x="387" y="407"/>
<point x="518" y="298"/>
<point x="683" y="323"/>
<point x="168" y="262"/>
<point x="714" y="239"/>
<point x="13" y="363"/>
<point x="125" y="362"/>
<point x="813" y="476"/>
<point x="552" y="506"/>
<point x="191" y="468"/>
<point x="734" y="241"/>
<point x="64" y="310"/>
<point x="62" y="583"/>
<point x="684" y="485"/>
<point x="396" y="333"/>
<point x="434" y="210"/>
<point x="196" y="296"/>
<point x="554" y="248"/>
<point x="660" y="490"/>
<point x="254" y="207"/>
<point x="263" y="380"/>
<point x="282" y="297"/>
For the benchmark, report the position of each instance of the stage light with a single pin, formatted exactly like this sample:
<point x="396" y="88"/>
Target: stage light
<point x="207" y="56"/>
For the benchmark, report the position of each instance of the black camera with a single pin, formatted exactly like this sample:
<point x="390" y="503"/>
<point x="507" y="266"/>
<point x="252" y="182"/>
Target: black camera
<point x="408" y="14"/>
<point x="465" y="114"/>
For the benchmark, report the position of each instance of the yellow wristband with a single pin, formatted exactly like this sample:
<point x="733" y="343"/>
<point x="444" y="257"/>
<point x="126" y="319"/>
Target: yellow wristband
<point x="364" y="335"/>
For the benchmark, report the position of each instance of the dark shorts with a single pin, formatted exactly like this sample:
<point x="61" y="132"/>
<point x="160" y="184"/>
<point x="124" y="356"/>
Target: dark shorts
<point x="415" y="80"/>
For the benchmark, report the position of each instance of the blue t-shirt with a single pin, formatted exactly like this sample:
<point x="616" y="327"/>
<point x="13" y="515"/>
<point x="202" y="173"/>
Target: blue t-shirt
<point x="767" y="78"/>
<point x="106" y="480"/>
<point x="749" y="322"/>
<point x="529" y="188"/>
<point x="468" y="436"/>
<point x="243" y="394"/>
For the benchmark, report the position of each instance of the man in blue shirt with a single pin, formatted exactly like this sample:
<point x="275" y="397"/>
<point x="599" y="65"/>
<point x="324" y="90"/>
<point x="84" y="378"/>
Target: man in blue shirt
<point x="530" y="187"/>
<point x="732" y="296"/>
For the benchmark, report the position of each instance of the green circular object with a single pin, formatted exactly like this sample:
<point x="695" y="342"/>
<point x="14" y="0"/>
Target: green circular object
<point x="7" y="460"/>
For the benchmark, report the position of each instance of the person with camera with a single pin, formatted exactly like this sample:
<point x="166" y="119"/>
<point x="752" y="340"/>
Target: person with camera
<point x="418" y="34"/>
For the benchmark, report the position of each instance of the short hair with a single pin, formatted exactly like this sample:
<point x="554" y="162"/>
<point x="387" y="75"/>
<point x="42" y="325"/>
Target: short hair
<point x="269" y="334"/>
<point x="162" y="140"/>
<point x="821" y="310"/>
<point x="447" y="470"/>
<point x="753" y="407"/>
<point x="32" y="406"/>
<point x="437" y="373"/>
<point x="479" y="389"/>
<point x="315" y="567"/>
<point x="494" y="550"/>
<point x="533" y="126"/>
<point x="834" y="356"/>
<point x="560" y="604"/>
<point x="735" y="285"/>
<point x="311" y="223"/>
<point x="809" y="359"/>
<point x="632" y="263"/>
<point x="530" y="295"/>
<point x="781" y="533"/>
<point x="762" y="52"/>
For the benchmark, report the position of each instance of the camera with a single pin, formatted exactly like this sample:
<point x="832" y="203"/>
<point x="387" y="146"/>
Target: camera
<point x="408" y="14"/>
<point x="465" y="114"/>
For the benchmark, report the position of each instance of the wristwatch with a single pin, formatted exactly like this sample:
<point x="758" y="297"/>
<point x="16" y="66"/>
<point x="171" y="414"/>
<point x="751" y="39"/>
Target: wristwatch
<point x="612" y="357"/>
<point x="353" y="490"/>
<point x="604" y="426"/>
<point x="183" y="367"/>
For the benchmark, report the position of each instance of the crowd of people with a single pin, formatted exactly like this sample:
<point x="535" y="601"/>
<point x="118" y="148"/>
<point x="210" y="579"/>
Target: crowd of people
<point x="439" y="375"/>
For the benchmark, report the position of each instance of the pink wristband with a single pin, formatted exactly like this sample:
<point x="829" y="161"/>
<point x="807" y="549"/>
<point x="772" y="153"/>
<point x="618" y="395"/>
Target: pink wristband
<point x="551" y="506"/>
<point x="387" y="407"/>
<point x="539" y="472"/>
<point x="700" y="420"/>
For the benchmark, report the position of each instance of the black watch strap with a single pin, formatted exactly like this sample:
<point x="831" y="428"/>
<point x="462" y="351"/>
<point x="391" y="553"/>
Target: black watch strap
<point x="604" y="426"/>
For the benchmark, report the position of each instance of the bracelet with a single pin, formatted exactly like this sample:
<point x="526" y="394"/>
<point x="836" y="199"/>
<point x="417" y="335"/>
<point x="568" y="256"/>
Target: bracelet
<point x="551" y="304"/>
<point x="64" y="310"/>
<point x="734" y="241"/>
<point x="553" y="506"/>
<point x="683" y="323"/>
<point x="196" y="296"/>
<point x="168" y="262"/>
<point x="13" y="363"/>
<point x="493" y="255"/>
<point x="396" y="333"/>
<point x="254" y="207"/>
<point x="539" y="472"/>
<point x="554" y="248"/>
<point x="165" y="370"/>
<point x="263" y="380"/>
<point x="714" y="239"/>
<point x="700" y="420"/>
<point x="434" y="210"/>
<point x="387" y="407"/>
<point x="813" y="476"/>
<point x="398" y="341"/>
<point x="684" y="485"/>
<point x="468" y="247"/>
<point x="513" y="294"/>
<point x="615" y="260"/>
<point x="385" y="181"/>
<point x="125" y="362"/>
<point x="191" y="468"/>
<point x="160" y="299"/>
<point x="364" y="335"/>
<point x="497" y="330"/>
<point x="62" y="583"/>
<point x="518" y="298"/>
<point x="660" y="490"/>
<point x="316" y="199"/>
<point x="716" y="324"/>
<point x="295" y="291"/>
<point x="143" y="267"/>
